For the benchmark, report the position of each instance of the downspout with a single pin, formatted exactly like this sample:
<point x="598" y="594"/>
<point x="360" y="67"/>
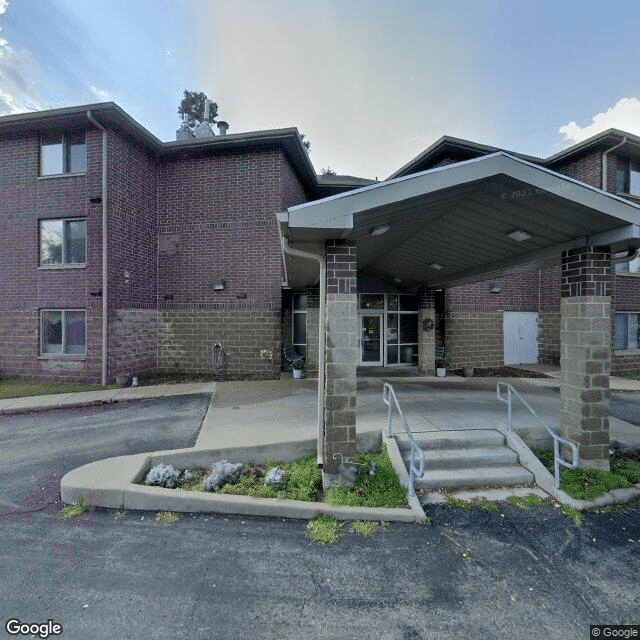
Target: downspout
<point x="321" y="339"/>
<point x="604" y="162"/>
<point x="105" y="263"/>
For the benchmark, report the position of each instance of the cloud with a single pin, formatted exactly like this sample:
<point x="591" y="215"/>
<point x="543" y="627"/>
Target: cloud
<point x="625" y="115"/>
<point x="101" y="94"/>
<point x="20" y="77"/>
<point x="3" y="6"/>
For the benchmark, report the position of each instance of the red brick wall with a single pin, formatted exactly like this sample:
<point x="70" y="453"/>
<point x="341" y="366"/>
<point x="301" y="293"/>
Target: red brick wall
<point x="518" y="293"/>
<point x="586" y="168"/>
<point x="25" y="289"/>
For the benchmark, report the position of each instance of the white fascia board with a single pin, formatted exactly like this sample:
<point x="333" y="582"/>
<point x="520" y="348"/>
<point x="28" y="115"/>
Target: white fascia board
<point x="336" y="212"/>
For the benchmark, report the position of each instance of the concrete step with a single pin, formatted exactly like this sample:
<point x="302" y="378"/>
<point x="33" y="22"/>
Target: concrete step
<point x="501" y="494"/>
<point x="492" y="476"/>
<point x="466" y="458"/>
<point x="468" y="439"/>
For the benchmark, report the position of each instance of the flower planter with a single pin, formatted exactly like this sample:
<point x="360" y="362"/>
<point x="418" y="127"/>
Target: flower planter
<point x="468" y="372"/>
<point x="441" y="372"/>
<point x="297" y="373"/>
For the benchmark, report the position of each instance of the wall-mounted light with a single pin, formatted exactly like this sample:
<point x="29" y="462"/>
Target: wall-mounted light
<point x="97" y="200"/>
<point x="496" y="287"/>
<point x="218" y="284"/>
<point x="380" y="229"/>
<point x="241" y="296"/>
<point x="519" y="235"/>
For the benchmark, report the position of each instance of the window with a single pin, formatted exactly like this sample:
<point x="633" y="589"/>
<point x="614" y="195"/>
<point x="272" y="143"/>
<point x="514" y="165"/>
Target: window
<point x="628" y="176"/>
<point x="300" y="322"/>
<point x="63" y="332"/>
<point x="63" y="152"/>
<point x="63" y="242"/>
<point x="627" y="331"/>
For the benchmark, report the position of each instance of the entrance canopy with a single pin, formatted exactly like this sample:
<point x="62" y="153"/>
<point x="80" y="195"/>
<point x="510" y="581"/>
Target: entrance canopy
<point x="469" y="221"/>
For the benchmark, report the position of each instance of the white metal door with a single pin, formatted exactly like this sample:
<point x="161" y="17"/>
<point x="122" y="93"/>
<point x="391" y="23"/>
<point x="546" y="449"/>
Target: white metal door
<point x="520" y="337"/>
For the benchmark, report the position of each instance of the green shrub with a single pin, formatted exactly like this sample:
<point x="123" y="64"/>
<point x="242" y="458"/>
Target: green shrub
<point x="383" y="489"/>
<point x="629" y="469"/>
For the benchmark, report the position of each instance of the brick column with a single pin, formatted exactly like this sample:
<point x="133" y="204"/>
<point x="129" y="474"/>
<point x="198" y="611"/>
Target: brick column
<point x="585" y="352"/>
<point x="313" y="317"/>
<point x="426" y="332"/>
<point x="341" y="359"/>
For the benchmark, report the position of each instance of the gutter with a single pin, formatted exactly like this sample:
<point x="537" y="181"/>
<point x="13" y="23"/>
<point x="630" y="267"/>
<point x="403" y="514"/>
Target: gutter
<point x="604" y="162"/>
<point x="321" y="338"/>
<point x="105" y="247"/>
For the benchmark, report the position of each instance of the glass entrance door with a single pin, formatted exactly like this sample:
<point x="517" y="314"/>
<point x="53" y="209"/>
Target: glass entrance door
<point x="371" y="351"/>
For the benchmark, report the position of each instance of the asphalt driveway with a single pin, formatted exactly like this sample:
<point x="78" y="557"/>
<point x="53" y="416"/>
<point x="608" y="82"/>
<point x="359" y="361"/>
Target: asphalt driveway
<point x="472" y="574"/>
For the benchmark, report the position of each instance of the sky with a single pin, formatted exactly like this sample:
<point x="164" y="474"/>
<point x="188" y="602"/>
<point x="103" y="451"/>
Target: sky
<point x="371" y="84"/>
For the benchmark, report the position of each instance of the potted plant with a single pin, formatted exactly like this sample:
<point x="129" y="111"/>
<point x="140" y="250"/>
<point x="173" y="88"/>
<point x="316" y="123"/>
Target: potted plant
<point x="298" y="369"/>
<point x="442" y="364"/>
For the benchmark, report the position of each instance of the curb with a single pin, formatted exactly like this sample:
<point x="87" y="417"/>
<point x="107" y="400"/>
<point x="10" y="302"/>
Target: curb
<point x="112" y="483"/>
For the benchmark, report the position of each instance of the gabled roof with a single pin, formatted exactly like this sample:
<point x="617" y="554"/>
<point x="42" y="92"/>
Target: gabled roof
<point x="448" y="146"/>
<point x="460" y="217"/>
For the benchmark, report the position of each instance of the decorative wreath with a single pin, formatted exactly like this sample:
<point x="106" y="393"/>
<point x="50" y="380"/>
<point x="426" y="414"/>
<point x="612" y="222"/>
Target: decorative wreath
<point x="428" y="324"/>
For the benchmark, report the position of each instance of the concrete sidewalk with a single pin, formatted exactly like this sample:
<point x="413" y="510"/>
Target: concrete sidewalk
<point x="277" y="419"/>
<point x="104" y="396"/>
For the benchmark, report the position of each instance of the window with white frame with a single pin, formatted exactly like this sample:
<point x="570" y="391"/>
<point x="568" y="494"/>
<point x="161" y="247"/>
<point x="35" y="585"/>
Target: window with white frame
<point x="300" y="322"/>
<point x="628" y="176"/>
<point x="627" y="331"/>
<point x="63" y="332"/>
<point x="63" y="152"/>
<point x="63" y="242"/>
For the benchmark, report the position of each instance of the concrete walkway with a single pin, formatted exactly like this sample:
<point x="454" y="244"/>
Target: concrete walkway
<point x="278" y="419"/>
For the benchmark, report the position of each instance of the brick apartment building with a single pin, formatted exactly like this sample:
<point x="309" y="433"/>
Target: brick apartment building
<point x="119" y="252"/>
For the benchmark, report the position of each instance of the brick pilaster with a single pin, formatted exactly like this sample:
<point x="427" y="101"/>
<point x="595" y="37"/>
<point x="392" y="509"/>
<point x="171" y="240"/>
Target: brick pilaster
<point x="426" y="332"/>
<point x="585" y="352"/>
<point x="341" y="359"/>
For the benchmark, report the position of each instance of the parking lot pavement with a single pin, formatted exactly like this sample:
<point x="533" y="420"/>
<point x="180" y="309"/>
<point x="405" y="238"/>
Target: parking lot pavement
<point x="119" y="575"/>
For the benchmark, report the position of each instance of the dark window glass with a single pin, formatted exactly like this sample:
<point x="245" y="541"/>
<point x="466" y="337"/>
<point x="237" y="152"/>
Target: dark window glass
<point x="408" y="303"/>
<point x="634" y="177"/>
<point x="76" y="153"/>
<point x="75" y="238"/>
<point x="369" y="301"/>
<point x="408" y="328"/>
<point x="299" y="302"/>
<point x="52" y="332"/>
<point x="74" y="342"/>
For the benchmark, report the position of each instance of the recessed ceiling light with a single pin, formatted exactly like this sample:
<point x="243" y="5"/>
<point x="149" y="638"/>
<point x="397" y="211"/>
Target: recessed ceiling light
<point x="397" y="280"/>
<point x="379" y="230"/>
<point x="436" y="266"/>
<point x="519" y="235"/>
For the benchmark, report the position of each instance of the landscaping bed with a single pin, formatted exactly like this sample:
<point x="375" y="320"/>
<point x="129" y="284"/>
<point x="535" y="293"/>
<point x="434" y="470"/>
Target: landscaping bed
<point x="297" y="480"/>
<point x="589" y="484"/>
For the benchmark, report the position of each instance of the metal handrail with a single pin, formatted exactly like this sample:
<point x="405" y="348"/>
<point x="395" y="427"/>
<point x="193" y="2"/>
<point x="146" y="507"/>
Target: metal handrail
<point x="389" y="394"/>
<point x="558" y="458"/>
